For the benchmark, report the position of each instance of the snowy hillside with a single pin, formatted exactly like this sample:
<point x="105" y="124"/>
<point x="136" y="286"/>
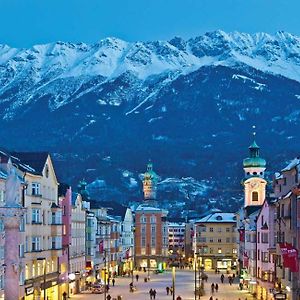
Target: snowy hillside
<point x="189" y="105"/>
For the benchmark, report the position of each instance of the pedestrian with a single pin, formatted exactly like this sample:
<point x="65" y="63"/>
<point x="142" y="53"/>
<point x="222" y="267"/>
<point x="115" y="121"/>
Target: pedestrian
<point x="137" y="277"/>
<point x="151" y="293"/>
<point x="168" y="290"/>
<point x="65" y="296"/>
<point x="212" y="287"/>
<point x="241" y="286"/>
<point x="154" y="294"/>
<point x="171" y="290"/>
<point x="216" y="287"/>
<point x="222" y="278"/>
<point x="178" y="298"/>
<point x="211" y="298"/>
<point x="108" y="297"/>
<point x="113" y="281"/>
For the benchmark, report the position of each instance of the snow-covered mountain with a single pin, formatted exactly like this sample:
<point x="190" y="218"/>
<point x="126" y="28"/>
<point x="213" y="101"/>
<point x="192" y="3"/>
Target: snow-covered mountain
<point x="187" y="104"/>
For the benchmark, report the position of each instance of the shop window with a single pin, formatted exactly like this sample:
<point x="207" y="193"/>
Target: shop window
<point x="254" y="196"/>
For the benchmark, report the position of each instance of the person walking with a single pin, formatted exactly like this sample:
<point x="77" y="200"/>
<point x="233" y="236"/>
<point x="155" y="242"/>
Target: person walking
<point x="212" y="288"/>
<point x="168" y="290"/>
<point x="137" y="277"/>
<point x="211" y="298"/>
<point x="108" y="297"/>
<point x="222" y="278"/>
<point x="113" y="281"/>
<point x="154" y="294"/>
<point x="171" y="291"/>
<point x="216" y="287"/>
<point x="65" y="295"/>
<point x="178" y="298"/>
<point x="151" y="293"/>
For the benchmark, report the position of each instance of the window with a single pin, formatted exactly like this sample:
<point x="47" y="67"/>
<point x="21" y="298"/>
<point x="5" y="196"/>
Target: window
<point x="21" y="250"/>
<point x="254" y="196"/>
<point x="219" y="240"/>
<point x="1" y="196"/>
<point x="153" y="240"/>
<point x="219" y="229"/>
<point x="35" y="189"/>
<point x="211" y="240"/>
<point x="234" y="251"/>
<point x="153" y="229"/>
<point x="258" y="237"/>
<point x="36" y="215"/>
<point x="265" y="256"/>
<point x="143" y="230"/>
<point x="143" y="219"/>
<point x="143" y="241"/>
<point x="258" y="254"/>
<point x="228" y="240"/>
<point x="202" y="239"/>
<point x="211" y="250"/>
<point x="152" y="219"/>
<point x="211" y="229"/>
<point x="227" y="229"/>
<point x="219" y="250"/>
<point x="36" y="244"/>
<point x="201" y="229"/>
<point x="264" y="237"/>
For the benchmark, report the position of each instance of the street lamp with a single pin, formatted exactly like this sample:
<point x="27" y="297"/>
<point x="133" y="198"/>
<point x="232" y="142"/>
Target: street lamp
<point x="148" y="263"/>
<point x="44" y="274"/>
<point x="173" y="281"/>
<point x="195" y="267"/>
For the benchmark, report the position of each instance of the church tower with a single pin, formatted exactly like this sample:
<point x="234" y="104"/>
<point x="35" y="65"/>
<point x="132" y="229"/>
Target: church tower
<point x="150" y="183"/>
<point x="254" y="181"/>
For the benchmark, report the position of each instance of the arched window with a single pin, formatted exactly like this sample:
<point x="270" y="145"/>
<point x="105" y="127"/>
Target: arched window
<point x="254" y="196"/>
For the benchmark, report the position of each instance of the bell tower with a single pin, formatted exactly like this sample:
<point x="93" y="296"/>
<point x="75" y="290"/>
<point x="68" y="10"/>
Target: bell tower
<point x="254" y="181"/>
<point x="150" y="183"/>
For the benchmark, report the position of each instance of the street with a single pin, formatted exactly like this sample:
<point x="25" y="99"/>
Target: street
<point x="184" y="287"/>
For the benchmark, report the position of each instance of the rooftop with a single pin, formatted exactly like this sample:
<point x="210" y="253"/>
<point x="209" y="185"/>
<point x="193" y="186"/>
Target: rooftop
<point x="218" y="217"/>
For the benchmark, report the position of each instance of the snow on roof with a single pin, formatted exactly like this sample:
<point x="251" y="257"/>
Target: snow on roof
<point x="295" y="162"/>
<point x="278" y="175"/>
<point x="218" y="217"/>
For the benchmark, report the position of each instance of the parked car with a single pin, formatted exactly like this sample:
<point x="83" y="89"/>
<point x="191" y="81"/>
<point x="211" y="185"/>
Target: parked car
<point x="97" y="289"/>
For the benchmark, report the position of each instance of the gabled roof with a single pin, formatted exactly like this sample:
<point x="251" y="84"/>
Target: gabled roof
<point x="218" y="217"/>
<point x="32" y="162"/>
<point x="251" y="209"/>
<point x="115" y="208"/>
<point x="295" y="162"/>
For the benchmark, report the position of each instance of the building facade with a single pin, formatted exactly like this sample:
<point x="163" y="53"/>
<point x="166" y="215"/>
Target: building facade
<point x="215" y="241"/>
<point x="151" y="237"/>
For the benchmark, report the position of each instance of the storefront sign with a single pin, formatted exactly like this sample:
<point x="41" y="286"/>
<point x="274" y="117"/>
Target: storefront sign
<point x="29" y="290"/>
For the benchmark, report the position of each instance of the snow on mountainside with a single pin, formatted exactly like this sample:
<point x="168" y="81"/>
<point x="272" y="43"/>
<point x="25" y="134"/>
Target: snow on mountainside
<point x="186" y="104"/>
<point x="44" y="69"/>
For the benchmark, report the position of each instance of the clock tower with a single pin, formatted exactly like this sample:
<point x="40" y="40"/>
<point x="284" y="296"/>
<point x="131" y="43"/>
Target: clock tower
<point x="150" y="180"/>
<point x="254" y="181"/>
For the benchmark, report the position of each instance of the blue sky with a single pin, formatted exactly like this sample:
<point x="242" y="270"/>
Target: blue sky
<point x="27" y="22"/>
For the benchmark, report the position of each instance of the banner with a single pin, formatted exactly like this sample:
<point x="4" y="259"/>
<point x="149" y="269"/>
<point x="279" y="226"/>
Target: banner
<point x="289" y="256"/>
<point x="246" y="260"/>
<point x="242" y="235"/>
<point x="127" y="253"/>
<point x="101" y="246"/>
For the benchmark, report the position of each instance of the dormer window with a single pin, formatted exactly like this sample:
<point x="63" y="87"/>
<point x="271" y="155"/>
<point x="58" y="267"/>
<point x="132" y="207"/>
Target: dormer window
<point x="219" y="218"/>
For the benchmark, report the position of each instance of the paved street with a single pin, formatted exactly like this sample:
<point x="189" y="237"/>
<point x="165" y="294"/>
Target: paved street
<point x="184" y="288"/>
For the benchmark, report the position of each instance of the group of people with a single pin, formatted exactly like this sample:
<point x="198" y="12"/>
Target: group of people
<point x="214" y="287"/>
<point x="230" y="278"/>
<point x="152" y="294"/>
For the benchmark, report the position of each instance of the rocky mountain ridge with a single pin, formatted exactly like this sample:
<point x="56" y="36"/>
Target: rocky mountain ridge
<point x="189" y="105"/>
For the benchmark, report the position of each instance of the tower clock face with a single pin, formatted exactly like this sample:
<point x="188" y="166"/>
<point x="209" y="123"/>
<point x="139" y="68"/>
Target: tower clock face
<point x="254" y="184"/>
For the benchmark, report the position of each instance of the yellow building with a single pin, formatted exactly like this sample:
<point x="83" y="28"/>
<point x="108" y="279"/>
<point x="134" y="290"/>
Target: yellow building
<point x="41" y="243"/>
<point x="215" y="241"/>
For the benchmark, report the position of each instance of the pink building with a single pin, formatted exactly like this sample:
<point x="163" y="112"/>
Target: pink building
<point x="65" y="195"/>
<point x="266" y="250"/>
